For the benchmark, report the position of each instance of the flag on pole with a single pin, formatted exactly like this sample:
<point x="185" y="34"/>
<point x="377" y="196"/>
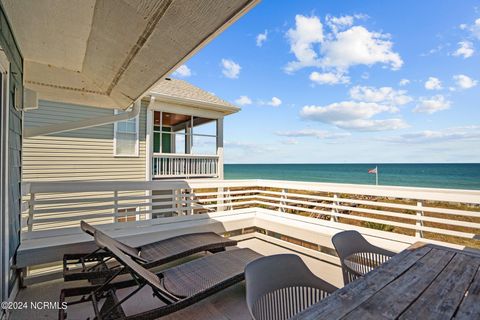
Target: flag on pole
<point x="375" y="172"/>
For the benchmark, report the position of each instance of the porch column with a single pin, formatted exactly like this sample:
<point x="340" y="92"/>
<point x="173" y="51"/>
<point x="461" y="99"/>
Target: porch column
<point x="188" y="136"/>
<point x="220" y="147"/>
<point x="221" y="193"/>
<point x="149" y="159"/>
<point x="149" y="145"/>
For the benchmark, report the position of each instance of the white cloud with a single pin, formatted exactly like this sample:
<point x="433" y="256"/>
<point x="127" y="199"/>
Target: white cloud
<point x="403" y="82"/>
<point x="338" y="50"/>
<point x="433" y="84"/>
<point x="339" y="23"/>
<point x="354" y="115"/>
<point x="320" y="134"/>
<point x="474" y="28"/>
<point x="464" y="82"/>
<point x="231" y="69"/>
<point x="261" y="38"/>
<point x="373" y="125"/>
<point x="243" y="101"/>
<point x="432" y="105"/>
<point x="429" y="136"/>
<point x="342" y="111"/>
<point x="275" y="102"/>
<point x="183" y="71"/>
<point x="465" y="49"/>
<point x="357" y="46"/>
<point x="386" y="95"/>
<point x="308" y="32"/>
<point x="329" y="78"/>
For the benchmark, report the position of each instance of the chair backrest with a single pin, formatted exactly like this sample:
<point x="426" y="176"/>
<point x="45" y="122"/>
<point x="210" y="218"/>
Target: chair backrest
<point x="287" y="275"/>
<point x="366" y="256"/>
<point x="107" y="243"/>
<point x="89" y="229"/>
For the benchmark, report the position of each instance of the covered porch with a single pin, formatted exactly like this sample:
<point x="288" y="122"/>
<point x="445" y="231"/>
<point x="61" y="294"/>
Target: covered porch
<point x="185" y="131"/>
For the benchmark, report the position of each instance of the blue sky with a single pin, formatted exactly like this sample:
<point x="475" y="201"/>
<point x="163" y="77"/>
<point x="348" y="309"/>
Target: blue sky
<point x="348" y="82"/>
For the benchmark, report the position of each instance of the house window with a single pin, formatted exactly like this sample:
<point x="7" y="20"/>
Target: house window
<point x="126" y="137"/>
<point x="184" y="134"/>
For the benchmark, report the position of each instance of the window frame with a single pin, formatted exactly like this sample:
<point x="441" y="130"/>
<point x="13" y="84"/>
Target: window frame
<point x="192" y="135"/>
<point x="136" y="154"/>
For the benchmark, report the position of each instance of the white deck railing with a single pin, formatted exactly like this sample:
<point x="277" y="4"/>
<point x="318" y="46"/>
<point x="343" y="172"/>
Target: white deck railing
<point x="184" y="166"/>
<point x="440" y="214"/>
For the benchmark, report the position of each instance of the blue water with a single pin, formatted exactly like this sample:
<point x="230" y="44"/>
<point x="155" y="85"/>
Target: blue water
<point x="457" y="176"/>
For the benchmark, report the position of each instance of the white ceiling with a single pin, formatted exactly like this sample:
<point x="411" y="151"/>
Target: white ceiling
<point x="108" y="53"/>
<point x="53" y="32"/>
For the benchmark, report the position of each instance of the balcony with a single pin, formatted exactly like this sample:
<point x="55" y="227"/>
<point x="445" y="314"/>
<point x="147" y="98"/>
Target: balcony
<point x="184" y="166"/>
<point x="269" y="217"/>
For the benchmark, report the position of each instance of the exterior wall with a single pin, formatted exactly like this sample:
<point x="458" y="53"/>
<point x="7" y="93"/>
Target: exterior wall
<point x="10" y="214"/>
<point x="85" y="154"/>
<point x="80" y="155"/>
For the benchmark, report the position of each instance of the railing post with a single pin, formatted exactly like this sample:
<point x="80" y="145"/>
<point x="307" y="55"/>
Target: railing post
<point x="419" y="223"/>
<point x="220" y="201"/>
<point x="177" y="202"/>
<point x="228" y="198"/>
<point x="191" y="199"/>
<point x="335" y="203"/>
<point x="283" y="197"/>
<point x="31" y="207"/>
<point x="115" y="206"/>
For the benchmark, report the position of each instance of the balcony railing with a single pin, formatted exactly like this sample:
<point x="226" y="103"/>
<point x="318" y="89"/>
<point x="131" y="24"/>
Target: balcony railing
<point x="451" y="216"/>
<point x="184" y="166"/>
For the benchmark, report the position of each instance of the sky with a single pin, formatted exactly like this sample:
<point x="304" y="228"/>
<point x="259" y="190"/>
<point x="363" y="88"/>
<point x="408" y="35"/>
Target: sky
<point x="348" y="81"/>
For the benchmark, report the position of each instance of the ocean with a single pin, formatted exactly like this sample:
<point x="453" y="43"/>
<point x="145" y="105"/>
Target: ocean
<point x="456" y="176"/>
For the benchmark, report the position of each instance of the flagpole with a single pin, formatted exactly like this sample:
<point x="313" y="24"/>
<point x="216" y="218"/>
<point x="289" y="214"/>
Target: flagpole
<point x="376" y="175"/>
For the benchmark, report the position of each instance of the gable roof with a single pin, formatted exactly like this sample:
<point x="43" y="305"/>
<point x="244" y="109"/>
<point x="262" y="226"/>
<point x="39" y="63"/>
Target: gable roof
<point x="180" y="91"/>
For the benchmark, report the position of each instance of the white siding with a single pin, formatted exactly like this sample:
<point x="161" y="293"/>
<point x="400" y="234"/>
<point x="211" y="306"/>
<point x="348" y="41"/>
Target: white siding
<point x="85" y="154"/>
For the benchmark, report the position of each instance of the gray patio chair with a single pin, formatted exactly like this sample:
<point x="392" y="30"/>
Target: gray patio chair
<point x="357" y="255"/>
<point x="281" y="286"/>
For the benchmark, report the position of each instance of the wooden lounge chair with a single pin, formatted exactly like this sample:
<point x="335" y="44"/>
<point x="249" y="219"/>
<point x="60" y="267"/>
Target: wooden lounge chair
<point x="357" y="255"/>
<point x="173" y="289"/>
<point x="99" y="264"/>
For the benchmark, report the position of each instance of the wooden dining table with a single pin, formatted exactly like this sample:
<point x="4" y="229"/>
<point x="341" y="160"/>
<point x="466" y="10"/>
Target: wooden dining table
<point x="425" y="281"/>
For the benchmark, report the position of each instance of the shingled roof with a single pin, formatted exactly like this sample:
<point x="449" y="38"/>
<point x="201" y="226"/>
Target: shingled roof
<point x="183" y="90"/>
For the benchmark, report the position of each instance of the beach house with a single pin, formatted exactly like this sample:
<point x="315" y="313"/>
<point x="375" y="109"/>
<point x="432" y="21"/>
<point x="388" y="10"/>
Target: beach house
<point x="110" y="58"/>
<point x="176" y="133"/>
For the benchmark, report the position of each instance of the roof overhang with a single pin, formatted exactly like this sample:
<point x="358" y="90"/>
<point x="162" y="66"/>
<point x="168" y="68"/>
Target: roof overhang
<point x="110" y="53"/>
<point x="161" y="100"/>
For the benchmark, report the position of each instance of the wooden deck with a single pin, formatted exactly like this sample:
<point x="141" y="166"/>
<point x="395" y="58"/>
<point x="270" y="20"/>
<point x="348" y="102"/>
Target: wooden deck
<point x="422" y="282"/>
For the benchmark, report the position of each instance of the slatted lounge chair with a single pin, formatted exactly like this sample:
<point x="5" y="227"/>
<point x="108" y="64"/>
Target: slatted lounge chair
<point x="357" y="255"/>
<point x="98" y="265"/>
<point x="281" y="286"/>
<point x="173" y="289"/>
